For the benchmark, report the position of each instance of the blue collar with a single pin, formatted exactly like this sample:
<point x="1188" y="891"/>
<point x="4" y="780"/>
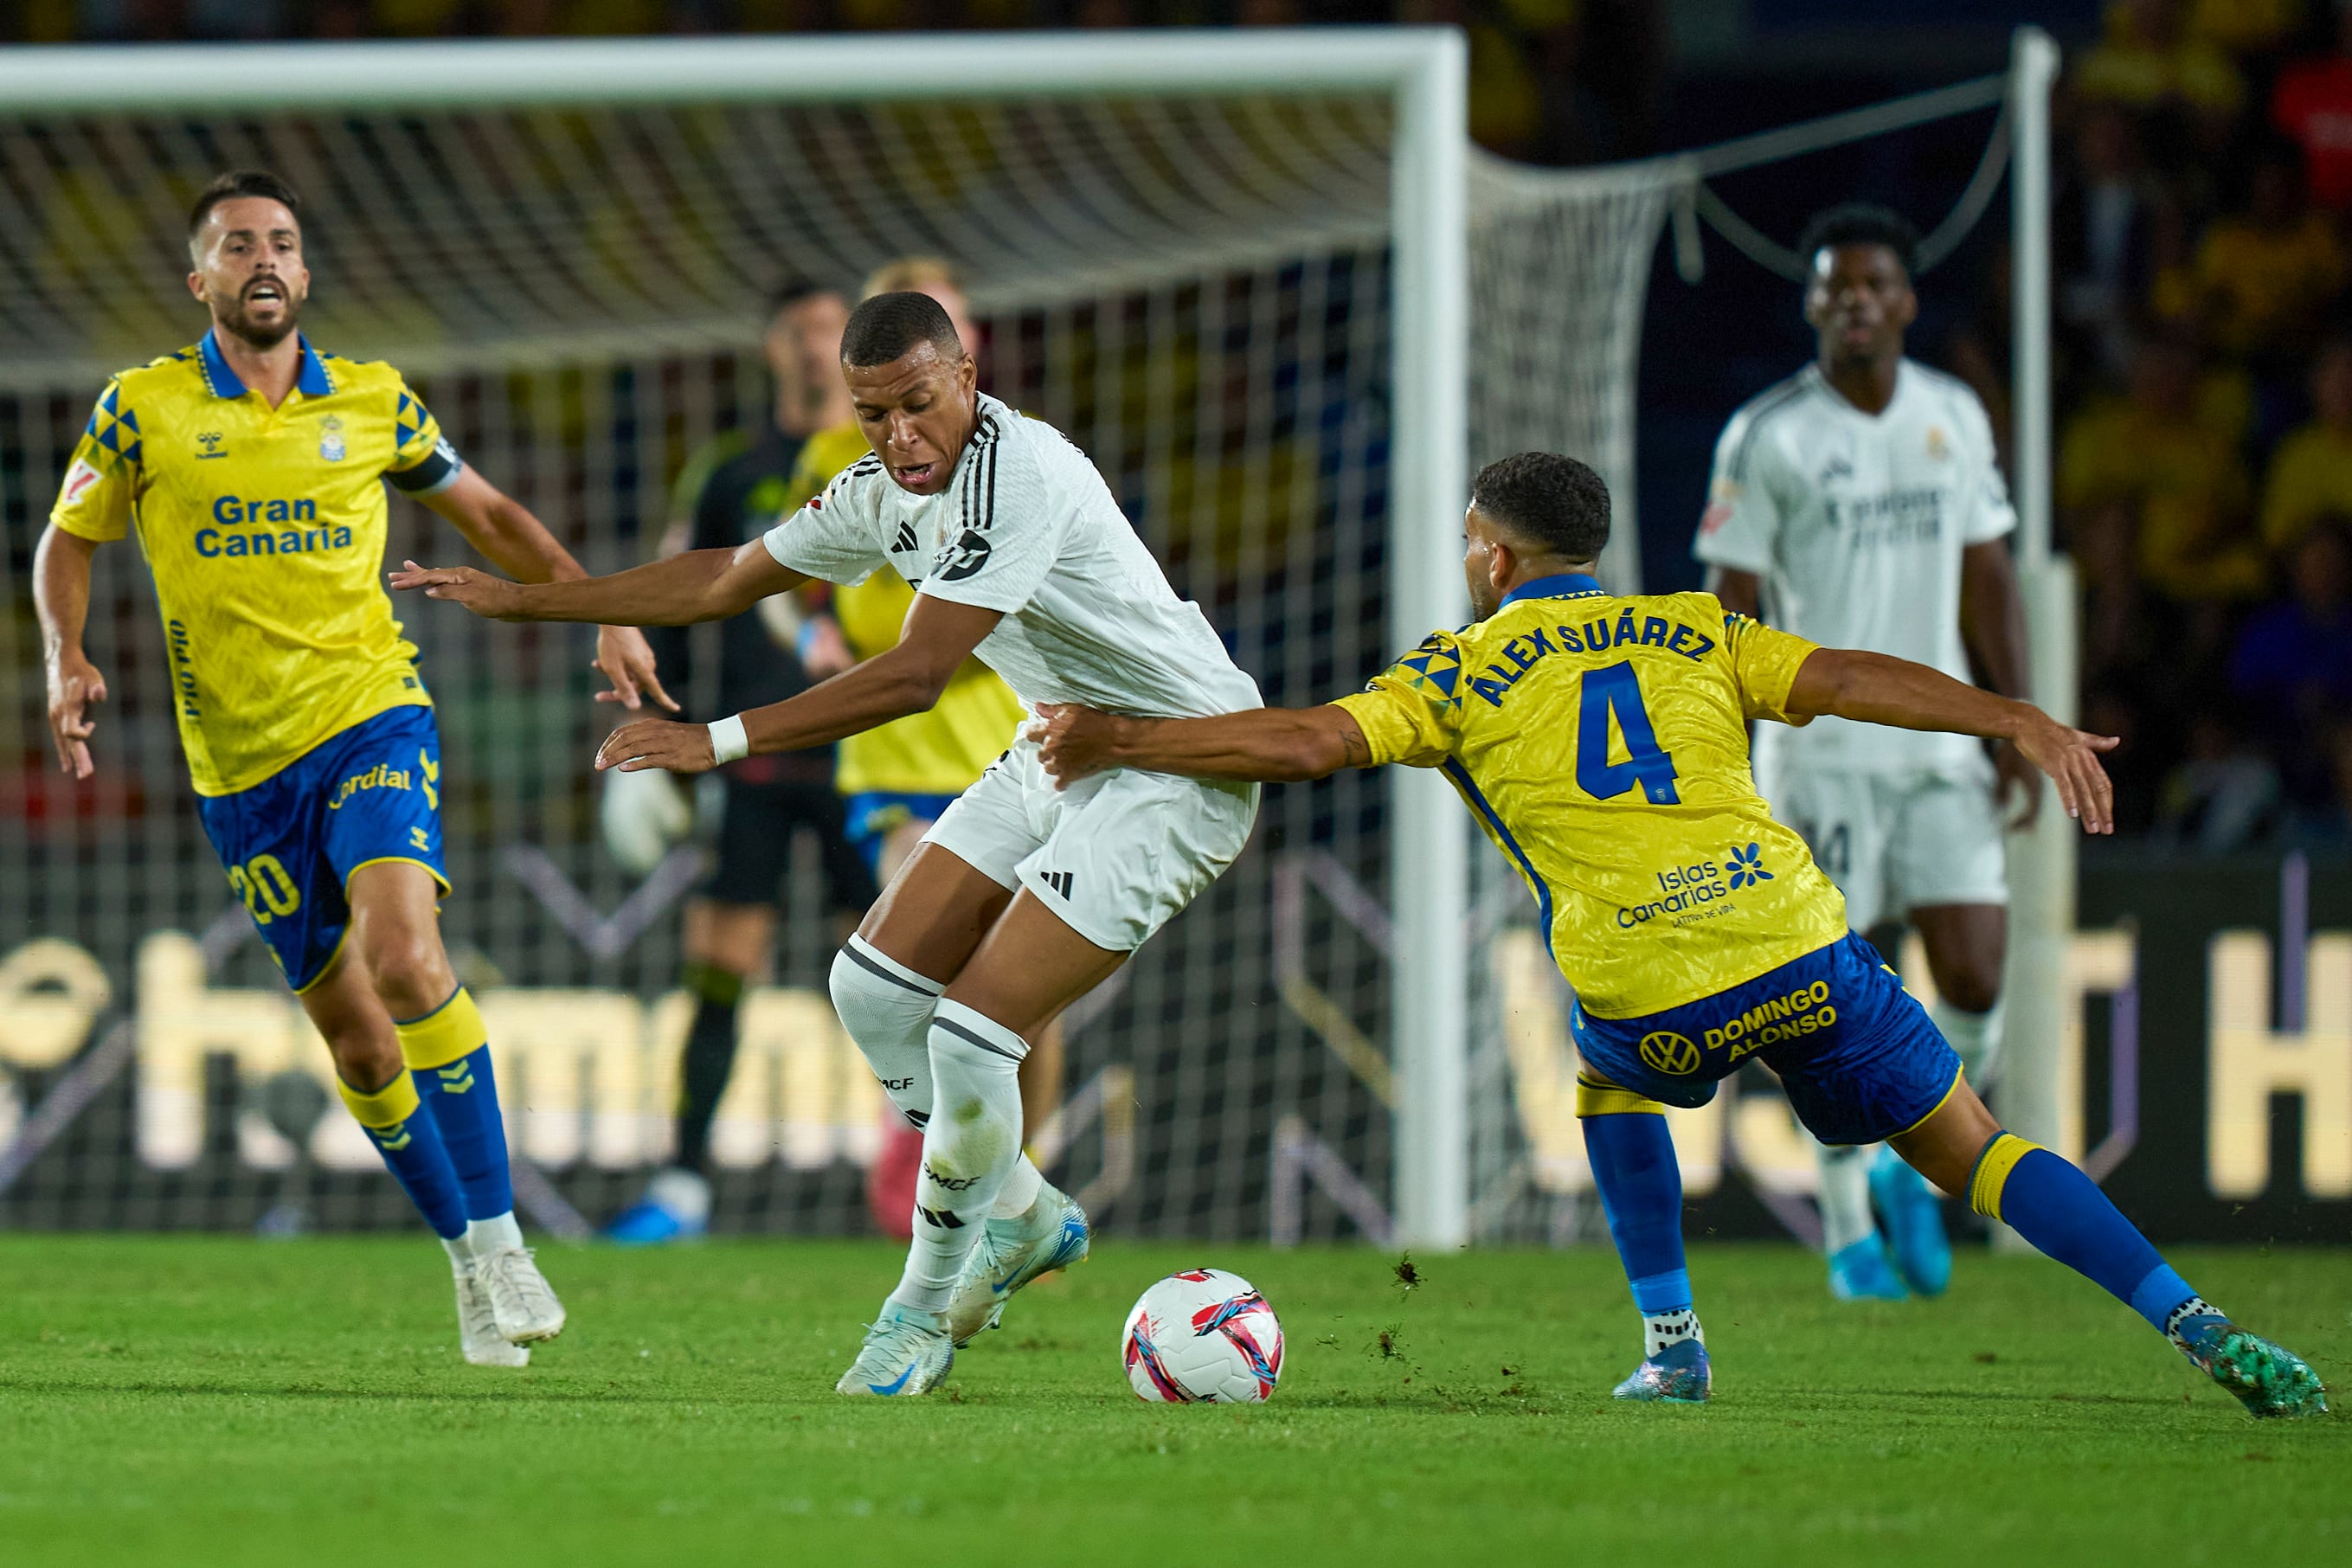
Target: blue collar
<point x="311" y="381"/>
<point x="1567" y="585"/>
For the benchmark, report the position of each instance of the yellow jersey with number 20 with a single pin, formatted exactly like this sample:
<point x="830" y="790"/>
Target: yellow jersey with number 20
<point x="264" y="529"/>
<point x="1602" y="741"/>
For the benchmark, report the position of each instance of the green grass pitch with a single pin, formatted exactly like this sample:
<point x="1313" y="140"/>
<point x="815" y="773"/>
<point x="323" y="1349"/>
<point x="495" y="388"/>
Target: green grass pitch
<point x="203" y="1400"/>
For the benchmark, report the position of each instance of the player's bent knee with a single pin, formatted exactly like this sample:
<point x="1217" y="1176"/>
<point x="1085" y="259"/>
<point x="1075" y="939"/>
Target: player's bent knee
<point x="1973" y="989"/>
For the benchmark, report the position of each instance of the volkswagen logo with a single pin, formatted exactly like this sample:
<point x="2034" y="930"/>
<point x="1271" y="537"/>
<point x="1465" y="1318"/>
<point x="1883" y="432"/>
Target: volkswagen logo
<point x="1667" y="1052"/>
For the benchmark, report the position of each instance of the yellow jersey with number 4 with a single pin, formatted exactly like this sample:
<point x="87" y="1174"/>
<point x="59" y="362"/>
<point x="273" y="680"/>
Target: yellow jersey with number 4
<point x="936" y="753"/>
<point x="265" y="530"/>
<point x="1602" y="741"/>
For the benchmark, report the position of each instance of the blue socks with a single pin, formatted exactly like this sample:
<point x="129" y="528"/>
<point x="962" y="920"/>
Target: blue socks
<point x="409" y="1142"/>
<point x="2061" y="1211"/>
<point x="1641" y="1185"/>
<point x="448" y="1055"/>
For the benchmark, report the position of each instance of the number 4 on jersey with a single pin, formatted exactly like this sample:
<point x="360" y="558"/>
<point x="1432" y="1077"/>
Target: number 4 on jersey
<point x="1614" y="690"/>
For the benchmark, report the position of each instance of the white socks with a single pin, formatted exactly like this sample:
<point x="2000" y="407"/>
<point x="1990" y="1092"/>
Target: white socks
<point x="1844" y="1196"/>
<point x="1660" y="1329"/>
<point x="1976" y="1036"/>
<point x="970" y="1145"/>
<point x="887" y="1008"/>
<point x="481" y="1236"/>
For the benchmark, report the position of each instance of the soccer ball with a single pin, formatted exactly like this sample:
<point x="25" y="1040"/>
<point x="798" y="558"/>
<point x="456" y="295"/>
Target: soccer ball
<point x="1202" y="1337"/>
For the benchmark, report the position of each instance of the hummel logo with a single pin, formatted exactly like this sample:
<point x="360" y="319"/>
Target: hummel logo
<point x="905" y="539"/>
<point x="1060" y="882"/>
<point x="211" y="443"/>
<point x="940" y="1217"/>
<point x="457" y="1078"/>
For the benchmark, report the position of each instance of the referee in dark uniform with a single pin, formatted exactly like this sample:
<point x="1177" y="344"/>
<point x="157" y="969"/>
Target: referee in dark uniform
<point x="730" y="491"/>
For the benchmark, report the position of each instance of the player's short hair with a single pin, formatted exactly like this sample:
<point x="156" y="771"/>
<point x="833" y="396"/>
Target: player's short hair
<point x="1861" y="222"/>
<point x="1548" y="500"/>
<point x="239" y="182"/>
<point x="914" y="273"/>
<point x="887" y="326"/>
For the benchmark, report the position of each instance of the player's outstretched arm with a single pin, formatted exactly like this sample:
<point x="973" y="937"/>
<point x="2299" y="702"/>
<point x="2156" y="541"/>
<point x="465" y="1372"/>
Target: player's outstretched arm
<point x="61" y="598"/>
<point x="1878" y="689"/>
<point x="909" y="679"/>
<point x="1268" y="745"/>
<point x="697" y="585"/>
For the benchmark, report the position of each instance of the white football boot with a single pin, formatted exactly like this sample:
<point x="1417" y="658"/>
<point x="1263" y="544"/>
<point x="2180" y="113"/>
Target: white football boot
<point x="905" y="1352"/>
<point x="1012" y="1253"/>
<point x="478" y="1328"/>
<point x="525" y="1307"/>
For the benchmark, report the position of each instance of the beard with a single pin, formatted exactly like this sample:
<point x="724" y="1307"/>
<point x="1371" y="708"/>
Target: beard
<point x="240" y="323"/>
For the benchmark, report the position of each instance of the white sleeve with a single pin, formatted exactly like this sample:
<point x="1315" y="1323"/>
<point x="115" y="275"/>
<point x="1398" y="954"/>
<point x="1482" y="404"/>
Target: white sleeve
<point x="1741" y="526"/>
<point x="1985" y="511"/>
<point x="834" y="537"/>
<point x="1008" y="532"/>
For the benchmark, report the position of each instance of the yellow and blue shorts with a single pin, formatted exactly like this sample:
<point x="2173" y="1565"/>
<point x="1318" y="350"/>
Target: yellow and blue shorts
<point x="1860" y="1058"/>
<point x="369" y="793"/>
<point x="876" y="813"/>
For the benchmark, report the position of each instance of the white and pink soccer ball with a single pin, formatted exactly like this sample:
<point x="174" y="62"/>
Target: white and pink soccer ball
<point x="1202" y="1337"/>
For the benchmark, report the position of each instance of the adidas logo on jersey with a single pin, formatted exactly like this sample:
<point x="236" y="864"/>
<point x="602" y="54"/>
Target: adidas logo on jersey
<point x="905" y="539"/>
<point x="1060" y="882"/>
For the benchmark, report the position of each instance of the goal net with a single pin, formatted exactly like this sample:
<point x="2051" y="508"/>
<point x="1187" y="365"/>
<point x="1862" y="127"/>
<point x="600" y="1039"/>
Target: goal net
<point x="1199" y="288"/>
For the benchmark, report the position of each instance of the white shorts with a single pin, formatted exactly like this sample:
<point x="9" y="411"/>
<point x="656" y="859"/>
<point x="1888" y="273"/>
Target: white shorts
<point x="1897" y="842"/>
<point x="1115" y="855"/>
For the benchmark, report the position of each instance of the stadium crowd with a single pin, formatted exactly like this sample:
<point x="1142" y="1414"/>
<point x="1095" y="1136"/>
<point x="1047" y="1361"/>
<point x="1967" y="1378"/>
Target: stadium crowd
<point x="2203" y="249"/>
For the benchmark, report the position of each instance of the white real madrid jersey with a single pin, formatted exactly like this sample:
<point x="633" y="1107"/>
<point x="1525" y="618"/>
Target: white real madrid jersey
<point x="1027" y="527"/>
<point x="1856" y="525"/>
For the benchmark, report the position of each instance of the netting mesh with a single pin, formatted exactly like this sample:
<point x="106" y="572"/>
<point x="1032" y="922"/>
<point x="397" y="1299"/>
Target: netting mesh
<point x="1196" y="290"/>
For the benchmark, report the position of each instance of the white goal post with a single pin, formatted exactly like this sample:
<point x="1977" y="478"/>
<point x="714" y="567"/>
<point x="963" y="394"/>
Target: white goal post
<point x="1423" y="72"/>
<point x="1260" y="276"/>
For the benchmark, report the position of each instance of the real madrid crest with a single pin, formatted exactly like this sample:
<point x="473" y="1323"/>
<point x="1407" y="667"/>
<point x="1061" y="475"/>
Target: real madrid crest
<point x="331" y="439"/>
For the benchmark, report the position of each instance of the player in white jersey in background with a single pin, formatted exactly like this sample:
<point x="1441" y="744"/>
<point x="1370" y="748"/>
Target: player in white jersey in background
<point x="1022" y="898"/>
<point x="1859" y="504"/>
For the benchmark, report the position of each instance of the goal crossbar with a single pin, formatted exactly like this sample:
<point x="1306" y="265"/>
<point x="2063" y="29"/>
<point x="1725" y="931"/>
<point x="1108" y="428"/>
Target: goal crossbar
<point x="1425" y="72"/>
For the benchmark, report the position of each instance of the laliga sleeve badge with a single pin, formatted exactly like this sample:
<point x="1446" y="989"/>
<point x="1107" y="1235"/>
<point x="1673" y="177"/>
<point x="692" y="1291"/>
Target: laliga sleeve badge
<point x="331" y="439"/>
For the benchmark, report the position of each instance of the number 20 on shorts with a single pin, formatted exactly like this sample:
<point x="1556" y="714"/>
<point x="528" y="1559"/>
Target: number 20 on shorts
<point x="265" y="887"/>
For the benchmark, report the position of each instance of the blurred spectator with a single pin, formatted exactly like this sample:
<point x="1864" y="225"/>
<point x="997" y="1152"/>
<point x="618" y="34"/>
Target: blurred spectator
<point x="2223" y="797"/>
<point x="2183" y="486"/>
<point x="2188" y="91"/>
<point x="2265" y="278"/>
<point x="2244" y="26"/>
<point x="2311" y="474"/>
<point x="2313" y="104"/>
<point x="2292" y="667"/>
<point x="2103" y="239"/>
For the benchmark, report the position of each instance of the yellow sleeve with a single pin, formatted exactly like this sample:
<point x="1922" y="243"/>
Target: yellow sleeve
<point x="1412" y="712"/>
<point x="1764" y="665"/>
<point x="101" y="482"/>
<point x="422" y="462"/>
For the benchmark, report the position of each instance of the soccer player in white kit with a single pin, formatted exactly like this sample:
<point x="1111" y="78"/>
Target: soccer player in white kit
<point x="1859" y="504"/>
<point x="1022" y="898"/>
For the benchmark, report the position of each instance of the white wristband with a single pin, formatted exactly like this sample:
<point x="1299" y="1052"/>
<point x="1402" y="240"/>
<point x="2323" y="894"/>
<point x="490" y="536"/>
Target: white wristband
<point x="727" y="741"/>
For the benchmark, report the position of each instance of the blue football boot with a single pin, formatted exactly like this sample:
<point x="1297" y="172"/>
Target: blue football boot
<point x="1914" y="1216"/>
<point x="676" y="1208"/>
<point x="1862" y="1273"/>
<point x="2268" y="1379"/>
<point x="1677" y="1375"/>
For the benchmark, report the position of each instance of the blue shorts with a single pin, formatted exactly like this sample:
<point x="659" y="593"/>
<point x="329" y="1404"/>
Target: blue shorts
<point x="876" y="813"/>
<point x="1858" y="1056"/>
<point x="291" y="842"/>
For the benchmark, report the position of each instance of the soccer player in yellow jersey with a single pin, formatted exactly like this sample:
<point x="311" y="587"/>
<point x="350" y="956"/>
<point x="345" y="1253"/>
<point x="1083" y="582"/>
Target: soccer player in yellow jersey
<point x="1601" y="744"/>
<point x="251" y="465"/>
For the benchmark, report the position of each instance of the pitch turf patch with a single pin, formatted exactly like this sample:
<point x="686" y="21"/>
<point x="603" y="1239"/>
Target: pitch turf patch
<point x="218" y="1400"/>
